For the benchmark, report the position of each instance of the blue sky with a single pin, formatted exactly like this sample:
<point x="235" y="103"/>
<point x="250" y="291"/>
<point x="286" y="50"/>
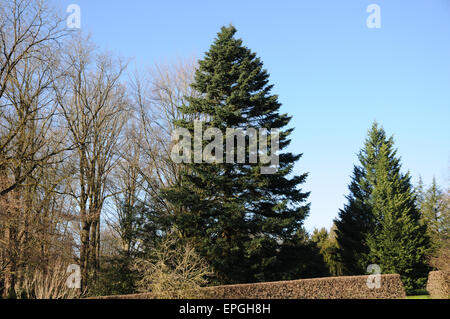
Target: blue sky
<point x="332" y="73"/>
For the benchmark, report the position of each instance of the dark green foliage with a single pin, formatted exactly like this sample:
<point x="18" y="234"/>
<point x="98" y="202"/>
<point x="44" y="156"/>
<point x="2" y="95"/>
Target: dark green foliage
<point x="140" y="228"/>
<point x="115" y="277"/>
<point x="244" y="223"/>
<point x="381" y="223"/>
<point x="327" y="245"/>
<point x="432" y="207"/>
<point x="302" y="258"/>
<point x="355" y="222"/>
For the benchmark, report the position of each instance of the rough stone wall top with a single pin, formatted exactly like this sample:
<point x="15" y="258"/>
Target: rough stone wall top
<point x="349" y="287"/>
<point x="438" y="285"/>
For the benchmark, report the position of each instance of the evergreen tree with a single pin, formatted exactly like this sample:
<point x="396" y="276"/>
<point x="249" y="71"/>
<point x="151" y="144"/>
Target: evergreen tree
<point x="327" y="244"/>
<point x="441" y="256"/>
<point x="431" y="206"/>
<point x="356" y="220"/>
<point x="248" y="225"/>
<point x="393" y="236"/>
<point x="420" y="193"/>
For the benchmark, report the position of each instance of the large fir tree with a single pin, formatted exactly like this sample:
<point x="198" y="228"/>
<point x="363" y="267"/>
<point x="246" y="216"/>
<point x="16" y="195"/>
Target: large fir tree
<point x="381" y="223"/>
<point x="247" y="224"/>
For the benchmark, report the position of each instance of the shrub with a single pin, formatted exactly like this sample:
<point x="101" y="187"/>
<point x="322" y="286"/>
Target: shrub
<point x="49" y="284"/>
<point x="176" y="271"/>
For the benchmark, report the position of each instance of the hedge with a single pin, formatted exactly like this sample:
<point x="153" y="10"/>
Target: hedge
<point x="438" y="285"/>
<point x="349" y="287"/>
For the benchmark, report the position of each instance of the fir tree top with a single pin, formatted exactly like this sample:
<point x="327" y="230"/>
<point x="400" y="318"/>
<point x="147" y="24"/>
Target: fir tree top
<point x="234" y="87"/>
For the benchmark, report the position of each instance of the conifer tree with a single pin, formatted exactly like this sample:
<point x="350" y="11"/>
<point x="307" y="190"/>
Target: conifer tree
<point x="393" y="236"/>
<point x="247" y="224"/>
<point x="326" y="242"/>
<point x="356" y="219"/>
<point x="431" y="205"/>
<point x="434" y="208"/>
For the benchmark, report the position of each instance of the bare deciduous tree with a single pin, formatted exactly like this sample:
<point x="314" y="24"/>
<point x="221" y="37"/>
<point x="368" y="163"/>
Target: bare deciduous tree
<point x="94" y="105"/>
<point x="29" y="55"/>
<point x="158" y="95"/>
<point x="29" y="34"/>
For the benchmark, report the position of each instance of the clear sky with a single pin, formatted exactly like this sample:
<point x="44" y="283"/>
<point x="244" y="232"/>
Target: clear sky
<point x="332" y="73"/>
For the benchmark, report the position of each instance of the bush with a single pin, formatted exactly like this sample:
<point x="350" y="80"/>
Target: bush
<point x="115" y="277"/>
<point x="175" y="271"/>
<point x="49" y="284"/>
